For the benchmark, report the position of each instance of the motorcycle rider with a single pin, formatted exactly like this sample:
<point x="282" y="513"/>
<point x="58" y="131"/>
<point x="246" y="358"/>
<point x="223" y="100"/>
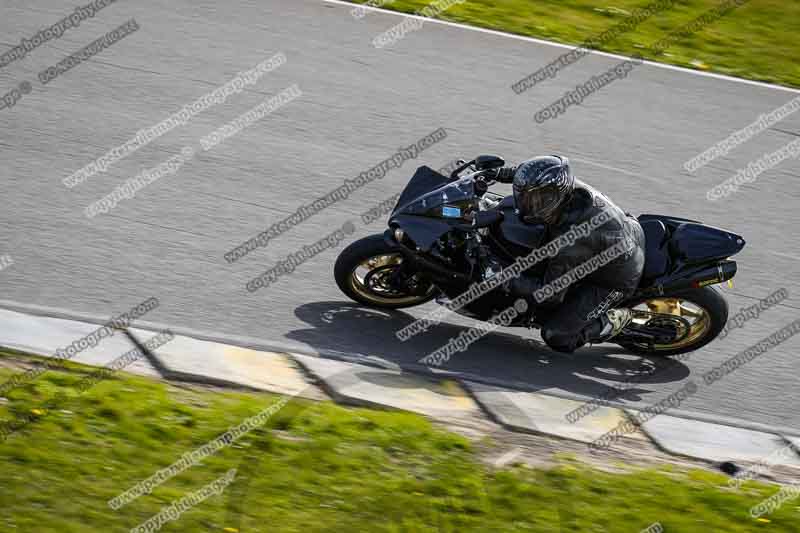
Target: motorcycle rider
<point x="546" y="192"/>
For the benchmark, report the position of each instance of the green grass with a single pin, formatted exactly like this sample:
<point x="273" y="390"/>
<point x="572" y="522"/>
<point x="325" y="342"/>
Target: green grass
<point x="316" y="467"/>
<point x="758" y="41"/>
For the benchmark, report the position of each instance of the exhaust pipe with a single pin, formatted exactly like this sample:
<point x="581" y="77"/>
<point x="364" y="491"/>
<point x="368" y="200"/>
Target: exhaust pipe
<point x="719" y="273"/>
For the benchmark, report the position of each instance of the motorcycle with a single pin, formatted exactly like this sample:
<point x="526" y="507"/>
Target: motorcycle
<point x="449" y="233"/>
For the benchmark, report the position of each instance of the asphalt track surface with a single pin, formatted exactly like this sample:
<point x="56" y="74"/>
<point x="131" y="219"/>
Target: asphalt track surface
<point x="360" y="104"/>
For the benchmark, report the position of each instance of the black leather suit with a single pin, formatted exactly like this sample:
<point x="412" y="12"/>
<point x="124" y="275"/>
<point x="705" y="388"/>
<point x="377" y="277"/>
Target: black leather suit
<point x="568" y="316"/>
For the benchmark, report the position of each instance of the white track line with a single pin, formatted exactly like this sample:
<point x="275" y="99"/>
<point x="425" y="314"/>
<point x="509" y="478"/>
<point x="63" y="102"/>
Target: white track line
<point x="569" y="46"/>
<point x="796" y="258"/>
<point x="638" y="175"/>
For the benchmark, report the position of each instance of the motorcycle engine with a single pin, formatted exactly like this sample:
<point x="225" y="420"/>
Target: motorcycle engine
<point x="491" y="267"/>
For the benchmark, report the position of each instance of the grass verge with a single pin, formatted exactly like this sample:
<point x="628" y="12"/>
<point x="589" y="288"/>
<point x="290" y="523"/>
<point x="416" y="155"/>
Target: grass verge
<point x="757" y="41"/>
<point x="316" y="466"/>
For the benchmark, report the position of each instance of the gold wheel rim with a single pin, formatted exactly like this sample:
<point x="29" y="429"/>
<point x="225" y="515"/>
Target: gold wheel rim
<point x="360" y="272"/>
<point x="698" y="317"/>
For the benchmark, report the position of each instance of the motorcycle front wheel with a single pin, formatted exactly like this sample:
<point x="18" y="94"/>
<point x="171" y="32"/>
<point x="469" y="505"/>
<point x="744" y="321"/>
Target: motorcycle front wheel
<point x="370" y="271"/>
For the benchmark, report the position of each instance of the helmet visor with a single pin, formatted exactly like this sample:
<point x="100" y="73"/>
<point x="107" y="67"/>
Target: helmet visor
<point x="537" y="203"/>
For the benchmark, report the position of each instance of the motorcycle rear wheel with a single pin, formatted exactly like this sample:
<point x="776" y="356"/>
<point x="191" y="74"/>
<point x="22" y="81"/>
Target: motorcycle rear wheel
<point x="705" y="308"/>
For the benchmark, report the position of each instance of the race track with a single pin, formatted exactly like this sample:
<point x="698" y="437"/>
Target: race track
<point x="359" y="105"/>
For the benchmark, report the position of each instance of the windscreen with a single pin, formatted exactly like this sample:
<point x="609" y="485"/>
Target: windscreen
<point x="424" y="180"/>
<point x="451" y="199"/>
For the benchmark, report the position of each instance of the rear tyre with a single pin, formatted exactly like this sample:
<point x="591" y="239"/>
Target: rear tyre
<point x="365" y="272"/>
<point x="705" y="308"/>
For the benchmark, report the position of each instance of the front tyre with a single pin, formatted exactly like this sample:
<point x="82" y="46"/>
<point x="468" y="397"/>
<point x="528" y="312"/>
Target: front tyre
<point x="705" y="311"/>
<point x="370" y="271"/>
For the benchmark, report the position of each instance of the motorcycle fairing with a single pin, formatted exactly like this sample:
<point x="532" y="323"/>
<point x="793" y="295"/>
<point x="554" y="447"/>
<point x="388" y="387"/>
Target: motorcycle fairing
<point x="431" y="205"/>
<point x="424" y="231"/>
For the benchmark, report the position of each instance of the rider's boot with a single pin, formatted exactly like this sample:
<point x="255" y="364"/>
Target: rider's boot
<point x="614" y="322"/>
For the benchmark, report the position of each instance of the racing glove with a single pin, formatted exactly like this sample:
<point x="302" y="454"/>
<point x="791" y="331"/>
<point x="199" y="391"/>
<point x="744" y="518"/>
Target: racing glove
<point x="505" y="174"/>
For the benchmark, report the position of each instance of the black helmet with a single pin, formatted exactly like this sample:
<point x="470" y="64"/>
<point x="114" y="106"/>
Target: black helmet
<point x="541" y="185"/>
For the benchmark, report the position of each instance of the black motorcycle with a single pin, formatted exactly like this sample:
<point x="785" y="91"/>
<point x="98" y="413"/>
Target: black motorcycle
<point x="448" y="233"/>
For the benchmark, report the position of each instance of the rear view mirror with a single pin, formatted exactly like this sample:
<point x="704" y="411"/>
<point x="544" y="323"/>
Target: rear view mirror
<point x="485" y="162"/>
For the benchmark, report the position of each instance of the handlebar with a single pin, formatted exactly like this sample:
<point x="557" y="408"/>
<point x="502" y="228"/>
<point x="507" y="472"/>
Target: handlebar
<point x="460" y="169"/>
<point x="501" y="175"/>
